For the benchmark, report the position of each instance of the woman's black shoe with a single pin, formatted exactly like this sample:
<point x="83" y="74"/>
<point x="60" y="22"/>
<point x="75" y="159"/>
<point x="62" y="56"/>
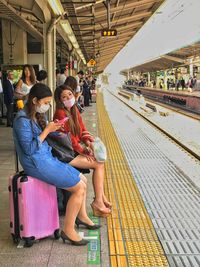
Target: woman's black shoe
<point x="82" y="242"/>
<point x="90" y="227"/>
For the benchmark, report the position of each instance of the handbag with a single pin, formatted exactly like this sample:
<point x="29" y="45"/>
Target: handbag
<point x="99" y="149"/>
<point x="78" y="105"/>
<point x="61" y="146"/>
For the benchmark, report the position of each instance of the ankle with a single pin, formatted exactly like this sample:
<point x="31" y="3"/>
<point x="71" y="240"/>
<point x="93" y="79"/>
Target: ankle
<point x="101" y="207"/>
<point x="99" y="204"/>
<point x="85" y="219"/>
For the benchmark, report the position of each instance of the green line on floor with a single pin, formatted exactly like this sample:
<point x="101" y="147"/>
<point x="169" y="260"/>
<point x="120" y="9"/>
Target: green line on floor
<point x="94" y="256"/>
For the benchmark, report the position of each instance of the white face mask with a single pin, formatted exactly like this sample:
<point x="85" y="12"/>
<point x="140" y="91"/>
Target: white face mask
<point x="69" y="103"/>
<point x="42" y="108"/>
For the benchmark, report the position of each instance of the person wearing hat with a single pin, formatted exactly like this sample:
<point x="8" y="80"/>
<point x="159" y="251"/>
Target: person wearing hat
<point x="82" y="144"/>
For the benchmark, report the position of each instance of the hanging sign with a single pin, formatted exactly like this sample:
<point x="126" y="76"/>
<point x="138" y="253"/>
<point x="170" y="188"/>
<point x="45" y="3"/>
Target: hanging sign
<point x="91" y="63"/>
<point x="108" y="32"/>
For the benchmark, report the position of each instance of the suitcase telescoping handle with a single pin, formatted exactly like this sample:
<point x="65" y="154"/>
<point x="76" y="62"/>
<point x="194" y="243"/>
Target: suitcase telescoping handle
<point x="16" y="162"/>
<point x="20" y="173"/>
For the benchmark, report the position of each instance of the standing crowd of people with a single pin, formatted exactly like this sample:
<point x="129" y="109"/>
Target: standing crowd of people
<point x="31" y="129"/>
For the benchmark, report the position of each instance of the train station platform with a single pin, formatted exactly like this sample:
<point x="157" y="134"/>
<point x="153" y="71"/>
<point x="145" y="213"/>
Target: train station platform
<point x="151" y="183"/>
<point x="189" y="100"/>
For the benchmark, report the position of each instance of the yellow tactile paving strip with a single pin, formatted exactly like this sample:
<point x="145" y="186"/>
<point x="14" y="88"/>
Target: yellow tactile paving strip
<point x="132" y="238"/>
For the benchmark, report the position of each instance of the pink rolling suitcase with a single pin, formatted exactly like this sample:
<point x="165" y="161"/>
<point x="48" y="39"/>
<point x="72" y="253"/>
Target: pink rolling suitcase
<point x="33" y="209"/>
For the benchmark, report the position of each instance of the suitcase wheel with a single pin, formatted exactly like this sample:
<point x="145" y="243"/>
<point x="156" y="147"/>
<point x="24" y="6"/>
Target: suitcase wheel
<point x="57" y="234"/>
<point x="15" y="239"/>
<point x="28" y="242"/>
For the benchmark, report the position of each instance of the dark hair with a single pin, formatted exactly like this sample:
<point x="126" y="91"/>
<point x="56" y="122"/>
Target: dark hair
<point x="72" y="114"/>
<point x="41" y="75"/>
<point x="63" y="70"/>
<point x="71" y="82"/>
<point x="57" y="71"/>
<point x="40" y="91"/>
<point x="32" y="72"/>
<point x="81" y="72"/>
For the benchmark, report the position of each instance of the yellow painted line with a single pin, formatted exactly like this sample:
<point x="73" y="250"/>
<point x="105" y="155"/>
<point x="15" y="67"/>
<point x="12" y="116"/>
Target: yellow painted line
<point x="132" y="238"/>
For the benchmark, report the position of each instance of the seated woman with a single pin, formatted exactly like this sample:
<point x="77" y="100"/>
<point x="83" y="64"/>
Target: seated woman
<point x="30" y="130"/>
<point x="82" y="144"/>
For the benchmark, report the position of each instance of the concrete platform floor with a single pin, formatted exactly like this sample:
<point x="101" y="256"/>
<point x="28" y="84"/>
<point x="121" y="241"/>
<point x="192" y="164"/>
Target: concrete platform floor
<point x="47" y="252"/>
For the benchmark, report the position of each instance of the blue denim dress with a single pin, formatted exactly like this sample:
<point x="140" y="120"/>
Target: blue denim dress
<point x="36" y="157"/>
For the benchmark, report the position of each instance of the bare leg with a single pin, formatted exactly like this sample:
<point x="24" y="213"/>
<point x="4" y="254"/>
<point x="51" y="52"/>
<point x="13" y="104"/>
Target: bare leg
<point x="82" y="215"/>
<point x="98" y="179"/>
<point x="73" y="207"/>
<point x="107" y="203"/>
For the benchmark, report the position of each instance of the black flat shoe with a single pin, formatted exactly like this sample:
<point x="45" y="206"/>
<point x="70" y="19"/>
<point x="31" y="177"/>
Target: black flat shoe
<point x="90" y="227"/>
<point x="82" y="242"/>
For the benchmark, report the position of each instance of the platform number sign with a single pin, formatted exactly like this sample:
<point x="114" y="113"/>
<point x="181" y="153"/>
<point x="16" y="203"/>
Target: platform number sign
<point x="91" y="63"/>
<point x="108" y="33"/>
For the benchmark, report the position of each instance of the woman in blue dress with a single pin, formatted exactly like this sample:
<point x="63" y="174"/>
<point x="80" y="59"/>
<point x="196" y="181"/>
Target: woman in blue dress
<point x="30" y="130"/>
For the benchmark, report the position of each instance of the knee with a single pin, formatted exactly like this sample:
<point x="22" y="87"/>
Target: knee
<point x="83" y="178"/>
<point x="82" y="188"/>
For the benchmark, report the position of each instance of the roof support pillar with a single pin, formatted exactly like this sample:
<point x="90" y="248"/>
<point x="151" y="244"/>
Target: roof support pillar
<point x="50" y="35"/>
<point x="148" y="79"/>
<point x="191" y="67"/>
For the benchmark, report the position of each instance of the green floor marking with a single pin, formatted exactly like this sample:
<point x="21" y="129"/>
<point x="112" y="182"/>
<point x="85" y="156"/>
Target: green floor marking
<point x="94" y="256"/>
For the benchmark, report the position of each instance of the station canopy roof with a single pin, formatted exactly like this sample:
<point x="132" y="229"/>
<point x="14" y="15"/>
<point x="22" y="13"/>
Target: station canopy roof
<point x="89" y="18"/>
<point x="177" y="58"/>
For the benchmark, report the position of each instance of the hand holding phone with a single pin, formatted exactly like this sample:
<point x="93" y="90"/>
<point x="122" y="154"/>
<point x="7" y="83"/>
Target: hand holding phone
<point x="62" y="121"/>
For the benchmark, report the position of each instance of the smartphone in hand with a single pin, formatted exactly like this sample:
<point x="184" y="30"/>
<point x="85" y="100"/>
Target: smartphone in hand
<point x="62" y="121"/>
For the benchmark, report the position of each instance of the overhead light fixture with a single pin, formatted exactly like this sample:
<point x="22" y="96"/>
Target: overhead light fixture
<point x="58" y="10"/>
<point x="76" y="46"/>
<point x="56" y="7"/>
<point x="67" y="28"/>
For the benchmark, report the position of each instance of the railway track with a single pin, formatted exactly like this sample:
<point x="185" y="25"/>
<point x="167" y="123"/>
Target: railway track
<point x="169" y="135"/>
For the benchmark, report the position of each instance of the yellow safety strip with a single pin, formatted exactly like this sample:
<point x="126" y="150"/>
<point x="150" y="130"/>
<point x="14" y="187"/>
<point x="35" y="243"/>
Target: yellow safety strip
<point x="132" y="238"/>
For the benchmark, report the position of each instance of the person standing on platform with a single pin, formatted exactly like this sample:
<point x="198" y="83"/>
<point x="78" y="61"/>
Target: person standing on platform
<point x="168" y="84"/>
<point x="86" y="92"/>
<point x="62" y="77"/>
<point x="41" y="76"/>
<point x="79" y="77"/>
<point x="26" y="82"/>
<point x="1" y="99"/>
<point x="79" y="90"/>
<point x="8" y="97"/>
<point x="182" y="81"/>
